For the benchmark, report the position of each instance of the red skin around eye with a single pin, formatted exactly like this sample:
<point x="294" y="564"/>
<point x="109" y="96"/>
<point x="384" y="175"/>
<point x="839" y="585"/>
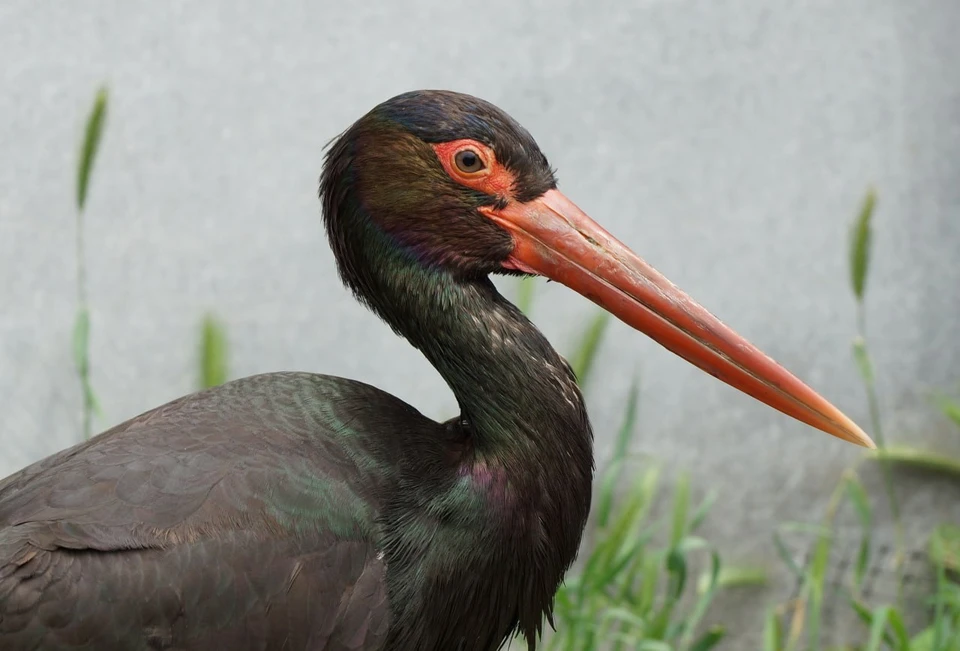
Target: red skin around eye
<point x="493" y="179"/>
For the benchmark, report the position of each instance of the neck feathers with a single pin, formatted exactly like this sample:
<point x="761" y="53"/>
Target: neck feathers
<point x="530" y="436"/>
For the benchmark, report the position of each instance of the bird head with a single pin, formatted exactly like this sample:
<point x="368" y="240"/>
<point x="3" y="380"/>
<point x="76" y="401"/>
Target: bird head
<point x="455" y="183"/>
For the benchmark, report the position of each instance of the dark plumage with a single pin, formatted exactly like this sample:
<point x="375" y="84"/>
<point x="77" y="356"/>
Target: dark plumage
<point x="297" y="511"/>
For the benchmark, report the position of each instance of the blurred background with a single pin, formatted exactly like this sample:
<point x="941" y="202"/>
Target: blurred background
<point x="732" y="145"/>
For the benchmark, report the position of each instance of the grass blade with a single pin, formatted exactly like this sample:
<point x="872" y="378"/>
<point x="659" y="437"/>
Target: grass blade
<point x="91" y="144"/>
<point x="708" y="640"/>
<point x="213" y="353"/>
<point x="677" y="567"/>
<point x="81" y="341"/>
<point x="81" y="331"/>
<point x="700" y="608"/>
<point x="944" y="547"/>
<point x="878" y="628"/>
<point x="586" y="352"/>
<point x="772" y="632"/>
<point x="701" y="513"/>
<point x="949" y="408"/>
<point x="608" y="485"/>
<point x="917" y="458"/>
<point x="526" y="290"/>
<point x="734" y="577"/>
<point x="857" y="496"/>
<point x="786" y="556"/>
<point x="81" y="358"/>
<point x="653" y="645"/>
<point x="862" y="359"/>
<point x="681" y="502"/>
<point x="818" y="579"/>
<point x="860" y="242"/>
<point x="625" y="433"/>
<point x="899" y="630"/>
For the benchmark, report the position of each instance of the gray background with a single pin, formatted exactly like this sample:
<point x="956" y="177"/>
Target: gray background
<point x="729" y="143"/>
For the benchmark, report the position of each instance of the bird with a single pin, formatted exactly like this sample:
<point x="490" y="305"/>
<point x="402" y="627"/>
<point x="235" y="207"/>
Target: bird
<point x="295" y="510"/>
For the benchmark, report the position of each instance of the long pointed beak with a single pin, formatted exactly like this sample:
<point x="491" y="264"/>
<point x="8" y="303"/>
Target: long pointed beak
<point x="553" y="237"/>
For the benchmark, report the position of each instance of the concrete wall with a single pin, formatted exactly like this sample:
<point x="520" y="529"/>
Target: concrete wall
<point x="728" y="143"/>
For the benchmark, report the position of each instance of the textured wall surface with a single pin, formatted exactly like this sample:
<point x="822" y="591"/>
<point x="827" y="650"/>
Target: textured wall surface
<point x="728" y="143"/>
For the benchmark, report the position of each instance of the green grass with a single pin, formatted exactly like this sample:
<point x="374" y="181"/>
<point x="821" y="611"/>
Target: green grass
<point x="795" y="626"/>
<point x="634" y="592"/>
<point x="631" y="590"/>
<point x="81" y="328"/>
<point x="213" y="366"/>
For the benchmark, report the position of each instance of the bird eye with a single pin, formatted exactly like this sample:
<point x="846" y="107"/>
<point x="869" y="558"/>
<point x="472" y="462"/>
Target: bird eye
<point x="468" y="161"/>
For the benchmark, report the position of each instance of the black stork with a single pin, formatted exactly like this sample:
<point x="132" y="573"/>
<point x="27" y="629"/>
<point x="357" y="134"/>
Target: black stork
<point x="299" y="511"/>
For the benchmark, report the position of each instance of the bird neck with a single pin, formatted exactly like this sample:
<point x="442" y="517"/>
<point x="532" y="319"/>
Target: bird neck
<point x="517" y="395"/>
<point x="528" y="461"/>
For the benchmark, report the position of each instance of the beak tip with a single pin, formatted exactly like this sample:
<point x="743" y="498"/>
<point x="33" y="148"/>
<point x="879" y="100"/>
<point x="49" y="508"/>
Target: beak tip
<point x="859" y="437"/>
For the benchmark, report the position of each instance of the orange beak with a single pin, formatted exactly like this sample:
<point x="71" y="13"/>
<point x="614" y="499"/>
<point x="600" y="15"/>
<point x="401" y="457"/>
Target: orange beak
<point x="556" y="239"/>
